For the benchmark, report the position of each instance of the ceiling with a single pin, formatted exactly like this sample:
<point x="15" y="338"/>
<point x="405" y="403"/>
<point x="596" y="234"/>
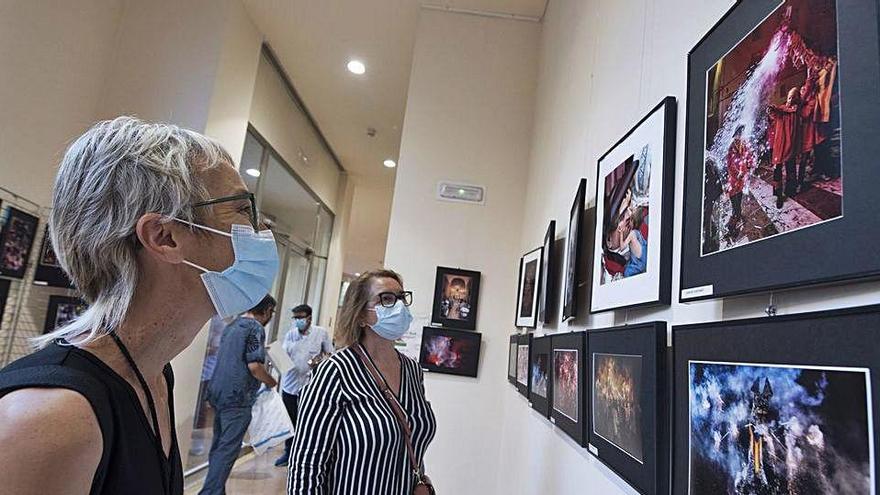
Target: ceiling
<point x="314" y="40"/>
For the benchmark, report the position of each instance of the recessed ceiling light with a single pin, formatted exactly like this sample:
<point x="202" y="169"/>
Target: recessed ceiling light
<point x="356" y="67"/>
<point x="389" y="163"/>
<point x="252" y="172"/>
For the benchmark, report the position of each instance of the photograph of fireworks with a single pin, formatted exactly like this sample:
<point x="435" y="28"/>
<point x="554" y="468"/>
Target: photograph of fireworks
<point x="455" y="352"/>
<point x="529" y="278"/>
<point x="565" y="383"/>
<point x="63" y="310"/>
<point x="4" y="295"/>
<point x="625" y="224"/>
<point x="548" y="267"/>
<point x="48" y="271"/>
<point x="617" y="410"/>
<point x="760" y="429"/>
<point x="16" y="241"/>
<point x="522" y="365"/>
<point x="456" y="293"/>
<point x="772" y="159"/>
<point x="539" y="374"/>
<point x="511" y="359"/>
<point x="572" y="252"/>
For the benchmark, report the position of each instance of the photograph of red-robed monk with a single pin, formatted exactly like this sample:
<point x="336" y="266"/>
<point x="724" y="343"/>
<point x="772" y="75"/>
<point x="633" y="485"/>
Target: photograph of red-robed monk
<point x="772" y="130"/>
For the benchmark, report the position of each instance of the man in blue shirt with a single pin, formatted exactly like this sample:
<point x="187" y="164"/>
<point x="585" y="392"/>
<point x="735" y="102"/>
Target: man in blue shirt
<point x="306" y="345"/>
<point x="233" y="389"/>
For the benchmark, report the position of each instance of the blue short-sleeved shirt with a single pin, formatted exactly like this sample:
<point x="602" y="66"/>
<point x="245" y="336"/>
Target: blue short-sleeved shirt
<point x="232" y="384"/>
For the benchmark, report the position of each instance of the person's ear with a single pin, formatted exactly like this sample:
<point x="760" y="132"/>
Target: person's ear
<point x="160" y="238"/>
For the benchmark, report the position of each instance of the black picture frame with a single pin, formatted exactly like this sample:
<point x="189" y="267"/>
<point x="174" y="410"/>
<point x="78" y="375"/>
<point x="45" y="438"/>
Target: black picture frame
<point x="548" y="270"/>
<point x="855" y="100"/>
<point x="799" y="352"/>
<point x="457" y="354"/>
<point x="638" y="452"/>
<point x="523" y="358"/>
<point x="467" y="280"/>
<point x="573" y="246"/>
<point x="16" y="242"/>
<point x="563" y="345"/>
<point x="653" y="286"/>
<point x="62" y="310"/>
<point x="511" y="358"/>
<point x="4" y="296"/>
<point x="539" y="362"/>
<point x="49" y="271"/>
<point x="529" y="288"/>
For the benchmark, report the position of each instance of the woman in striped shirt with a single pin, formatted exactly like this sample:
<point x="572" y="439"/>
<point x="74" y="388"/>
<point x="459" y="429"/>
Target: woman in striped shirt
<point x="348" y="440"/>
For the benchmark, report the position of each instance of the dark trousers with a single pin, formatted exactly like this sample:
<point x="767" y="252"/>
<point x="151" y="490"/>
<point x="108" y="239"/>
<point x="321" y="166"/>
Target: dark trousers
<point x="291" y="402"/>
<point x="789" y="186"/>
<point x="230" y="425"/>
<point x="736" y="201"/>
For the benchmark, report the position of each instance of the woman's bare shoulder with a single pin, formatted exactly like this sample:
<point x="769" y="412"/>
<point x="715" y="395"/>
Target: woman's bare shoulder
<point x="43" y="431"/>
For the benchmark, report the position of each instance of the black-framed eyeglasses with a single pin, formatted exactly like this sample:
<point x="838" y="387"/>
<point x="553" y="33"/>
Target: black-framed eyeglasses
<point x="251" y="208"/>
<point x="389" y="299"/>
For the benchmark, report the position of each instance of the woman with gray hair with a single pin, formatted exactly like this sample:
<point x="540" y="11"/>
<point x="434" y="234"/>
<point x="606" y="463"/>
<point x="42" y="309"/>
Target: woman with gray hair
<point x="142" y="220"/>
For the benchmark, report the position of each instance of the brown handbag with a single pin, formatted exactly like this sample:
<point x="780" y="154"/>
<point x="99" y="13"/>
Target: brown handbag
<point x="423" y="484"/>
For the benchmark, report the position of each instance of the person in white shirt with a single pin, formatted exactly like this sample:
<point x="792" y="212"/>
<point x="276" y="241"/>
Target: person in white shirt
<point x="306" y="345"/>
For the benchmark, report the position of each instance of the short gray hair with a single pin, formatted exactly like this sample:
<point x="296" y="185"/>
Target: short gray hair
<point x="109" y="177"/>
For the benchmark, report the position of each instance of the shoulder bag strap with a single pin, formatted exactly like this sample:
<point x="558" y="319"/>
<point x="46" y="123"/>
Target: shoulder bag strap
<point x="395" y="407"/>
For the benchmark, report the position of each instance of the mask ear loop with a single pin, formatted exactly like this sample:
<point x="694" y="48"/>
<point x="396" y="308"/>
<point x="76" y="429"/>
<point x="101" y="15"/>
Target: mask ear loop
<point x="204" y="227"/>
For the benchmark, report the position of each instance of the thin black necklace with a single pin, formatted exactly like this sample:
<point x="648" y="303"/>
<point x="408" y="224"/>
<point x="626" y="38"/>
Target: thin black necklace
<point x="152" y="406"/>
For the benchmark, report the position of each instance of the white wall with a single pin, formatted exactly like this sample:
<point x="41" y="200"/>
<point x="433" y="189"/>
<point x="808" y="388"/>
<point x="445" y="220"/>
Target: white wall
<point x="603" y="65"/>
<point x="54" y="57"/>
<point x="368" y="231"/>
<point x="287" y="129"/>
<point x="468" y="118"/>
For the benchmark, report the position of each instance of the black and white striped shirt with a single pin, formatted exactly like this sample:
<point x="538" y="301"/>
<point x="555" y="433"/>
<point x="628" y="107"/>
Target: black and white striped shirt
<point x="347" y="438"/>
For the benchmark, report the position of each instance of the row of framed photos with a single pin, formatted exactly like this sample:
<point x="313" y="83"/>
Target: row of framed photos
<point x="782" y="105"/>
<point x="779" y="404"/>
<point x="17" y="238"/>
<point x="60" y="311"/>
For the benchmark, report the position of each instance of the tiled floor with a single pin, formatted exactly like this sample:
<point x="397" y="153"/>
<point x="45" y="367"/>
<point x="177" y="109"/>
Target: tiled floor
<point x="253" y="476"/>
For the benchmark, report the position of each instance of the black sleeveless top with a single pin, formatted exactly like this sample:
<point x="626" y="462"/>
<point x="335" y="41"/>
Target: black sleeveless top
<point x="130" y="462"/>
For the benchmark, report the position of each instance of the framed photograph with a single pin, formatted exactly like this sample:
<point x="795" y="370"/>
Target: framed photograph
<point x="16" y="240"/>
<point x="548" y="267"/>
<point x="539" y="366"/>
<point x="512" y="359"/>
<point x="530" y="267"/>
<point x="523" y="348"/>
<point x="454" y="352"/>
<point x="62" y="310"/>
<point x="632" y="262"/>
<point x="573" y="246"/>
<point x="629" y="425"/>
<point x="784" y="404"/>
<point x="569" y="409"/>
<point x="48" y="270"/>
<point x="4" y="295"/>
<point x="456" y="294"/>
<point x="783" y="105"/>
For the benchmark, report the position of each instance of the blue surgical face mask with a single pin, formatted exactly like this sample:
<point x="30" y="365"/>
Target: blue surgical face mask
<point x="240" y="287"/>
<point x="392" y="323"/>
<point x="300" y="323"/>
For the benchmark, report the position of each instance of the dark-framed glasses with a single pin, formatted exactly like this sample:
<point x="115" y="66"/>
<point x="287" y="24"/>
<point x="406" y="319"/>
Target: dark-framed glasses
<point x="249" y="208"/>
<point x="389" y="299"/>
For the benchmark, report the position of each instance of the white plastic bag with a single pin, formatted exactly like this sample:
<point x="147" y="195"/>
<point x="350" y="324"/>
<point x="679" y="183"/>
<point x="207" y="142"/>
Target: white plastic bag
<point x="270" y="424"/>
